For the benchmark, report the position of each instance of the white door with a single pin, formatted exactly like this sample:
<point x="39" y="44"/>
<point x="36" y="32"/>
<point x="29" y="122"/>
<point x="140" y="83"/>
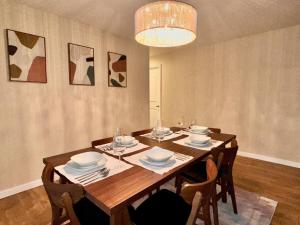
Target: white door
<point x="155" y="94"/>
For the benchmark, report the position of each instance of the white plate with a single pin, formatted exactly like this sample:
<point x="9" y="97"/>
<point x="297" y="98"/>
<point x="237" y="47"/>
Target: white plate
<point x="199" y="139"/>
<point x="188" y="142"/>
<point x="158" y="154"/>
<point x="125" y="140"/>
<point x="74" y="169"/>
<point x="168" y="162"/>
<point x="87" y="158"/>
<point x="165" y="134"/>
<point x="199" y="128"/>
<point x="165" y="130"/>
<point x="199" y="132"/>
<point x="134" y="143"/>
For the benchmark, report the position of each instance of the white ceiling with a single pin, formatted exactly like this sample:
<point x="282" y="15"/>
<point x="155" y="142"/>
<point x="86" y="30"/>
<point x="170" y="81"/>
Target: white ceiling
<point x="218" y="20"/>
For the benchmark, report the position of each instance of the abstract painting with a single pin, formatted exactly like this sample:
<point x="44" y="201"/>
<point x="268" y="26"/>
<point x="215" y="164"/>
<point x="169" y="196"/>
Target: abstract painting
<point x="117" y="70"/>
<point x="81" y="65"/>
<point x="26" y="57"/>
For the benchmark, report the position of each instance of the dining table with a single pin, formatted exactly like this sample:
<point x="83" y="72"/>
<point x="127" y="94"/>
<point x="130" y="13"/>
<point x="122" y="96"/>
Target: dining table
<point x="114" y="193"/>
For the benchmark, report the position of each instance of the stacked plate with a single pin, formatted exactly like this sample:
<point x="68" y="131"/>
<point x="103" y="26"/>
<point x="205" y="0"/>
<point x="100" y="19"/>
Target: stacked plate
<point x="126" y="141"/>
<point x="85" y="162"/>
<point x="198" y="140"/>
<point x="158" y="157"/>
<point x="163" y="130"/>
<point x="199" y="129"/>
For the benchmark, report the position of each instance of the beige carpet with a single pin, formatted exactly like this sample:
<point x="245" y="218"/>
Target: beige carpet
<point x="252" y="208"/>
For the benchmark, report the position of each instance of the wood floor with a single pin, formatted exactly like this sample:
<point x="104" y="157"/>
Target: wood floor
<point x="280" y="183"/>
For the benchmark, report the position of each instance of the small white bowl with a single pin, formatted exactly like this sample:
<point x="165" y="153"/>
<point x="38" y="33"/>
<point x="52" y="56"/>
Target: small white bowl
<point x="197" y="128"/>
<point x="125" y="140"/>
<point x="164" y="130"/>
<point x="159" y="154"/>
<point x="199" y="139"/>
<point x="87" y="158"/>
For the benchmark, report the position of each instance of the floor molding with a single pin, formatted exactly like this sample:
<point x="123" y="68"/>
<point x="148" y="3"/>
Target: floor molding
<point x="20" y="188"/>
<point x="270" y="159"/>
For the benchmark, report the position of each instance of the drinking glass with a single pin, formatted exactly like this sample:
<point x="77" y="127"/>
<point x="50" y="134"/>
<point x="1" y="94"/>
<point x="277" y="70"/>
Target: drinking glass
<point x="160" y="135"/>
<point x="180" y="124"/>
<point x="158" y="124"/>
<point x="193" y="122"/>
<point x="119" y="149"/>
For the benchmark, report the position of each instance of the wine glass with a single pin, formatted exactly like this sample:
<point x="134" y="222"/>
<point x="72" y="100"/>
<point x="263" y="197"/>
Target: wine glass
<point x="180" y="124"/>
<point x="117" y="133"/>
<point x="193" y="122"/>
<point x="119" y="149"/>
<point x="160" y="135"/>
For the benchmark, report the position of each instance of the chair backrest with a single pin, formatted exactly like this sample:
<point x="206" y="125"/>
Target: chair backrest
<point x="205" y="188"/>
<point x="196" y="205"/>
<point x="61" y="196"/>
<point x="228" y="156"/>
<point x="215" y="130"/>
<point x="141" y="132"/>
<point x="101" y="141"/>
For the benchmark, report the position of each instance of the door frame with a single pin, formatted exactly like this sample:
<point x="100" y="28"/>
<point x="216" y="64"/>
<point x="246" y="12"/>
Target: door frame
<point x="160" y="89"/>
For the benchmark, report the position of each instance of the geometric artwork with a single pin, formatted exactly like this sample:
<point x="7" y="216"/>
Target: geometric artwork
<point x="81" y="65"/>
<point x="26" y="57"/>
<point x="117" y="70"/>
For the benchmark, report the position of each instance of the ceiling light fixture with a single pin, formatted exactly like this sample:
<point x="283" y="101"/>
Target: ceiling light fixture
<point x="165" y="24"/>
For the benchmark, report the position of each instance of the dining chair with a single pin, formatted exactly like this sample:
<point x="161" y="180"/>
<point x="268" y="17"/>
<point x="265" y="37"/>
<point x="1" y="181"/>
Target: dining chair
<point x="141" y="132"/>
<point x="101" y="141"/>
<point x="68" y="204"/>
<point x="215" y="130"/>
<point x="225" y="167"/>
<point x="166" y="207"/>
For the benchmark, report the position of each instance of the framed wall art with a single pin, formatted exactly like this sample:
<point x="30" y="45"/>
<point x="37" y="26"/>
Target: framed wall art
<point x="26" y="57"/>
<point x="117" y="70"/>
<point x="81" y="65"/>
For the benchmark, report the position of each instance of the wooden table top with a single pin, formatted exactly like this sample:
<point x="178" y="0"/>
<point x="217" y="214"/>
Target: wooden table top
<point x="116" y="192"/>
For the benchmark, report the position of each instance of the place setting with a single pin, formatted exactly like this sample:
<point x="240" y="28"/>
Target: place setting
<point x="196" y="129"/>
<point x="122" y="143"/>
<point x="89" y="167"/>
<point x="161" y="133"/>
<point x="199" y="141"/>
<point x="158" y="160"/>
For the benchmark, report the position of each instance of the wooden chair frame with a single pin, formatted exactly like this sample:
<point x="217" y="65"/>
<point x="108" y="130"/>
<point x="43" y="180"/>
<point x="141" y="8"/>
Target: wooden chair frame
<point x="62" y="197"/>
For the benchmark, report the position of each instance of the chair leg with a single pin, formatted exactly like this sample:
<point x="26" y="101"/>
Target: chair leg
<point x="178" y="184"/>
<point x="215" y="206"/>
<point x="223" y="190"/>
<point x="206" y="214"/>
<point x="232" y="194"/>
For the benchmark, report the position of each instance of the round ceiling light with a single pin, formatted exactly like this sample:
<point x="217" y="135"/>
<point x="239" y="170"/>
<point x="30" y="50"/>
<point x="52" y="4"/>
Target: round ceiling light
<point x="165" y="24"/>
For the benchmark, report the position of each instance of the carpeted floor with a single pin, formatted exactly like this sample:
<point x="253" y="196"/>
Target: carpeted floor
<point x="252" y="208"/>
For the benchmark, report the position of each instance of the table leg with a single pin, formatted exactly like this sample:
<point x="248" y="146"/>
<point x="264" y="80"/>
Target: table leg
<point x="120" y="218"/>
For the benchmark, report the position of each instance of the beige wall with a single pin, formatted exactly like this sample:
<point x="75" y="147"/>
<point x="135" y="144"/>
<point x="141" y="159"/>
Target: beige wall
<point x="39" y="120"/>
<point x="248" y="86"/>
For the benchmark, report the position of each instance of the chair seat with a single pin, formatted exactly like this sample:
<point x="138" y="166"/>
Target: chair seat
<point x="162" y="208"/>
<point x="89" y="214"/>
<point x="196" y="173"/>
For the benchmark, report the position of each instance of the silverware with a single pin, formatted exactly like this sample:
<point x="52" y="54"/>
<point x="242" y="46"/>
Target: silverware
<point x="106" y="147"/>
<point x="179" y="155"/>
<point x="90" y="173"/>
<point x="181" y="159"/>
<point x="100" y="176"/>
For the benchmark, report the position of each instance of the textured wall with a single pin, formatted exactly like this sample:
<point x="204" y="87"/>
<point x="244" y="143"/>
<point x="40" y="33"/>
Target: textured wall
<point x="248" y="86"/>
<point x="39" y="120"/>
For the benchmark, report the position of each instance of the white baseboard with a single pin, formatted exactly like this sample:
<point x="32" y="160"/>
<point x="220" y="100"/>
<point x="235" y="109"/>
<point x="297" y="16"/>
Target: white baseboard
<point x="270" y="159"/>
<point x="20" y="188"/>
